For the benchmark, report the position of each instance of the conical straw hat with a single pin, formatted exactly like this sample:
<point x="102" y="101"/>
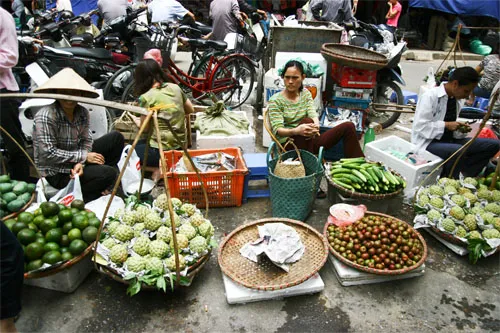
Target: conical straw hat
<point x="67" y="79"/>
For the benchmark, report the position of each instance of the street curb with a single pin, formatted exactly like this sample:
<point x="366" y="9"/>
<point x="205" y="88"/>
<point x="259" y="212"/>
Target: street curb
<point x="423" y="55"/>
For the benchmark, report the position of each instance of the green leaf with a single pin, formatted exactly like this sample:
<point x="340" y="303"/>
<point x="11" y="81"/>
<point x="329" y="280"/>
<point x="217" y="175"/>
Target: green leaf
<point x="134" y="287"/>
<point x="475" y="246"/>
<point x="161" y="284"/>
<point x="172" y="281"/>
<point x="129" y="276"/>
<point x="213" y="243"/>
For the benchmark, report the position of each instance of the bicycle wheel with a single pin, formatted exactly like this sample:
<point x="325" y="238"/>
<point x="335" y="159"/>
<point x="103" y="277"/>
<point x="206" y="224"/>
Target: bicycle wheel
<point x="235" y="77"/>
<point x="389" y="93"/>
<point x="116" y="85"/>
<point x="128" y="95"/>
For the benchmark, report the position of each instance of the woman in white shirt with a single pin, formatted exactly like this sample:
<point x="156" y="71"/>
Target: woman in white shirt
<point x="436" y="129"/>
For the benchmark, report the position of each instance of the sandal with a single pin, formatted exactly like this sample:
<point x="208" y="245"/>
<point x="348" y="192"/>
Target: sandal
<point x="321" y="194"/>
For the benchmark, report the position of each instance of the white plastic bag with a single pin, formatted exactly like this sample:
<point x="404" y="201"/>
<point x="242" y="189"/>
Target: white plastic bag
<point x="430" y="82"/>
<point x="132" y="175"/>
<point x="72" y="191"/>
<point x="99" y="205"/>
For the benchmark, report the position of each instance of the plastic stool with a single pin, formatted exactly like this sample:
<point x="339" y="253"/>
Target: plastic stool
<point x="407" y="95"/>
<point x="481" y="103"/>
<point x="257" y="170"/>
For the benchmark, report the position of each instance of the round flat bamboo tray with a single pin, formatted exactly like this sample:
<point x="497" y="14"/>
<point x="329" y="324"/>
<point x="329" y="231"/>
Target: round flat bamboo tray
<point x="265" y="275"/>
<point x="193" y="270"/>
<point x="353" y="56"/>
<point x="57" y="267"/>
<point x="353" y="194"/>
<point x="374" y="270"/>
<point x="448" y="237"/>
<point x="13" y="215"/>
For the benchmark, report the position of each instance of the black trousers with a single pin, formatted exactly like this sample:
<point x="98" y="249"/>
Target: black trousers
<point x="17" y="164"/>
<point x="11" y="273"/>
<point x="97" y="178"/>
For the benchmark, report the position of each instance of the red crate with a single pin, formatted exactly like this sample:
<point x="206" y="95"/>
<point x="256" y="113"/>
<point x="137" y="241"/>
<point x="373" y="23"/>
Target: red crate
<point x="350" y="77"/>
<point x="224" y="188"/>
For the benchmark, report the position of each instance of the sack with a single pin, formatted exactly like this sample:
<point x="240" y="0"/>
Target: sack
<point x="288" y="170"/>
<point x="72" y="191"/>
<point x="132" y="174"/>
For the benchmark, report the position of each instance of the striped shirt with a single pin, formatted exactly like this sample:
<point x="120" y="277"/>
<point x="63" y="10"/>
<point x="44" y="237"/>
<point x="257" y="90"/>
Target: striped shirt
<point x="284" y="113"/>
<point x="59" y="144"/>
<point x="168" y="93"/>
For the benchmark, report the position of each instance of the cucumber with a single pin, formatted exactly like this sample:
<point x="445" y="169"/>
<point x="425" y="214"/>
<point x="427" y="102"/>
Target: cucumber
<point x="9" y="196"/>
<point x="20" y="188"/>
<point x="25" y="197"/>
<point x="341" y="170"/>
<point x="353" y="160"/>
<point x="347" y="186"/>
<point x="4" y="179"/>
<point x="6" y="187"/>
<point x="15" y="206"/>
<point x="351" y="166"/>
<point x="372" y="174"/>
<point x="352" y="178"/>
<point x="359" y="175"/>
<point x="31" y="187"/>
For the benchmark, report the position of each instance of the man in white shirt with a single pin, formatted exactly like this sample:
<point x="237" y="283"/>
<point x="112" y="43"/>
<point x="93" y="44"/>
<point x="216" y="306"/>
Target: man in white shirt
<point x="436" y="129"/>
<point x="168" y="11"/>
<point x="111" y="9"/>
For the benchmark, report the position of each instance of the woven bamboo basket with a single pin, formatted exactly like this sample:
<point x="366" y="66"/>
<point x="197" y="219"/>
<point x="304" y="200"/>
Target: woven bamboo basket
<point x="374" y="270"/>
<point x="353" y="56"/>
<point x="265" y="275"/>
<point x="448" y="237"/>
<point x="358" y="195"/>
<point x="13" y="215"/>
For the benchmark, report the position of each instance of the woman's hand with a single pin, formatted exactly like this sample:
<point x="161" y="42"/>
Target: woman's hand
<point x="453" y="125"/>
<point x="95" y="158"/>
<point x="307" y="130"/>
<point x="77" y="170"/>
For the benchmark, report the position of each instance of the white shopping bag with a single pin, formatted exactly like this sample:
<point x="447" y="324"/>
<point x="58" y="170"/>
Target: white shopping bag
<point x="98" y="206"/>
<point x="430" y="82"/>
<point x="132" y="175"/>
<point x="72" y="191"/>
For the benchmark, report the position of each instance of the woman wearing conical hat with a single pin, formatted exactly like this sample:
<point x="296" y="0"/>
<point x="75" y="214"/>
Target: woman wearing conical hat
<point x="63" y="144"/>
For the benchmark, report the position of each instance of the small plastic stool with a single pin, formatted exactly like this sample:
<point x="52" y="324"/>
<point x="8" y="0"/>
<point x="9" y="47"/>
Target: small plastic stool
<point x="407" y="95"/>
<point x="481" y="103"/>
<point x="257" y="170"/>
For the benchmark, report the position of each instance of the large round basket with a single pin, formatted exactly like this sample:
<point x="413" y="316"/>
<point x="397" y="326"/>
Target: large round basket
<point x="374" y="270"/>
<point x="447" y="237"/>
<point x="353" y="56"/>
<point x="265" y="275"/>
<point x="358" y="195"/>
<point x="58" y="267"/>
<point x="13" y="215"/>
<point x="193" y="270"/>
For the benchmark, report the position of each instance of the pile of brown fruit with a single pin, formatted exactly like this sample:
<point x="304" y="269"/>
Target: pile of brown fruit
<point x="377" y="242"/>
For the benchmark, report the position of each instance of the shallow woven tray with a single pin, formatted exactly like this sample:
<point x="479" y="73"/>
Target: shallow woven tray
<point x="447" y="237"/>
<point x="12" y="215"/>
<point x="353" y="56"/>
<point x="265" y="275"/>
<point x="193" y="270"/>
<point x="374" y="270"/>
<point x="353" y="194"/>
<point x="57" y="267"/>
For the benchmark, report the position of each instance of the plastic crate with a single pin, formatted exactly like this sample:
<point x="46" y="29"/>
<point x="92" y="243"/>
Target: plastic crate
<point x="341" y="92"/>
<point x="336" y="152"/>
<point x="224" y="188"/>
<point x="351" y="103"/>
<point x="414" y="174"/>
<point x="350" y="77"/>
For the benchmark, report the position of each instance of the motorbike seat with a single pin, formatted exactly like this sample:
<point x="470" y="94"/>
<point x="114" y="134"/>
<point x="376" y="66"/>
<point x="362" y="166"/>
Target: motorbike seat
<point x="217" y="45"/>
<point x="97" y="53"/>
<point x="82" y="39"/>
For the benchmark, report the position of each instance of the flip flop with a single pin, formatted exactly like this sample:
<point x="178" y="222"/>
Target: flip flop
<point x="321" y="194"/>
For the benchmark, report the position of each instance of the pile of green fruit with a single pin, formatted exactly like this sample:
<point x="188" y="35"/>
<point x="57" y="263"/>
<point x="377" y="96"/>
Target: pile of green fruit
<point x="360" y="175"/>
<point x="377" y="242"/>
<point x="487" y="181"/>
<point x="138" y="239"/>
<point x="54" y="232"/>
<point x="464" y="209"/>
<point x="14" y="195"/>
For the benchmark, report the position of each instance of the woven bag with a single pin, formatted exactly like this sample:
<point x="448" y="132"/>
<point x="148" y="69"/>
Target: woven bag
<point x="285" y="170"/>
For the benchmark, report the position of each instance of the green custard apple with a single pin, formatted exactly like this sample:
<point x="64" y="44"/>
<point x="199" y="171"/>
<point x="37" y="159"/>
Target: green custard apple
<point x="206" y="229"/>
<point x="152" y="221"/>
<point x="458" y="200"/>
<point x="170" y="263"/>
<point x="124" y="233"/>
<point x="448" y="225"/>
<point x="135" y="264"/>
<point x="470" y="180"/>
<point x="188" y="230"/>
<point x="437" y="202"/>
<point x="461" y="232"/>
<point x="158" y="248"/>
<point x="182" y="242"/>
<point x="154" y="264"/>
<point x="436" y="190"/>
<point x="164" y="233"/>
<point x="189" y="209"/>
<point x="141" y="245"/>
<point x="491" y="233"/>
<point x="198" y="244"/>
<point x="470" y="221"/>
<point x="118" y="254"/>
<point x="457" y="212"/>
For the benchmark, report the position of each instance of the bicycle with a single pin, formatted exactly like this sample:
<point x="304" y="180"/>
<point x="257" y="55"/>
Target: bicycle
<point x="227" y="76"/>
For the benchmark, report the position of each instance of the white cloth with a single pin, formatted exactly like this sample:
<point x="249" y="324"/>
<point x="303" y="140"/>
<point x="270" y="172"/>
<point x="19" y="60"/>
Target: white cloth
<point x="64" y="5"/>
<point x="428" y="123"/>
<point x="166" y="10"/>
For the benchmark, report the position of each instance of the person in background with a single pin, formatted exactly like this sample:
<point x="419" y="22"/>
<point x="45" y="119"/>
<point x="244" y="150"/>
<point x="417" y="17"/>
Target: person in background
<point x="336" y="11"/>
<point x="247" y="10"/>
<point x="226" y="18"/>
<point x="490" y="69"/>
<point x="168" y="10"/>
<point x="111" y="9"/>
<point x="436" y="129"/>
<point x="18" y="165"/>
<point x="154" y="90"/>
<point x="292" y="115"/>
<point x="63" y="144"/>
<point x="393" y="14"/>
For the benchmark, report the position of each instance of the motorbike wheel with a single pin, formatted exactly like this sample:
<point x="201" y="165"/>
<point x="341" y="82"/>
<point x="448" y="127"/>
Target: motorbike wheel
<point x="386" y="92"/>
<point x="116" y="85"/>
<point x="128" y="94"/>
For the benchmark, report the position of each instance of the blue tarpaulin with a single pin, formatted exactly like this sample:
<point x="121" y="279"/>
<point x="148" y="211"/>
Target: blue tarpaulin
<point x="461" y="7"/>
<point x="79" y="6"/>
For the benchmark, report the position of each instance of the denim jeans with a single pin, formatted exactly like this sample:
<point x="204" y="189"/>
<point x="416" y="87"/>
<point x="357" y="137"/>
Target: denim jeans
<point x="472" y="162"/>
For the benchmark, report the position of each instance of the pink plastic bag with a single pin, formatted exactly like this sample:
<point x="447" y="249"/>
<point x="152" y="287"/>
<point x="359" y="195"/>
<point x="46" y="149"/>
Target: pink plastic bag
<point x="343" y="214"/>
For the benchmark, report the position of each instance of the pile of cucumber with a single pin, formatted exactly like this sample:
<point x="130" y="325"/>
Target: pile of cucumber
<point x="360" y="175"/>
<point x="14" y="195"/>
